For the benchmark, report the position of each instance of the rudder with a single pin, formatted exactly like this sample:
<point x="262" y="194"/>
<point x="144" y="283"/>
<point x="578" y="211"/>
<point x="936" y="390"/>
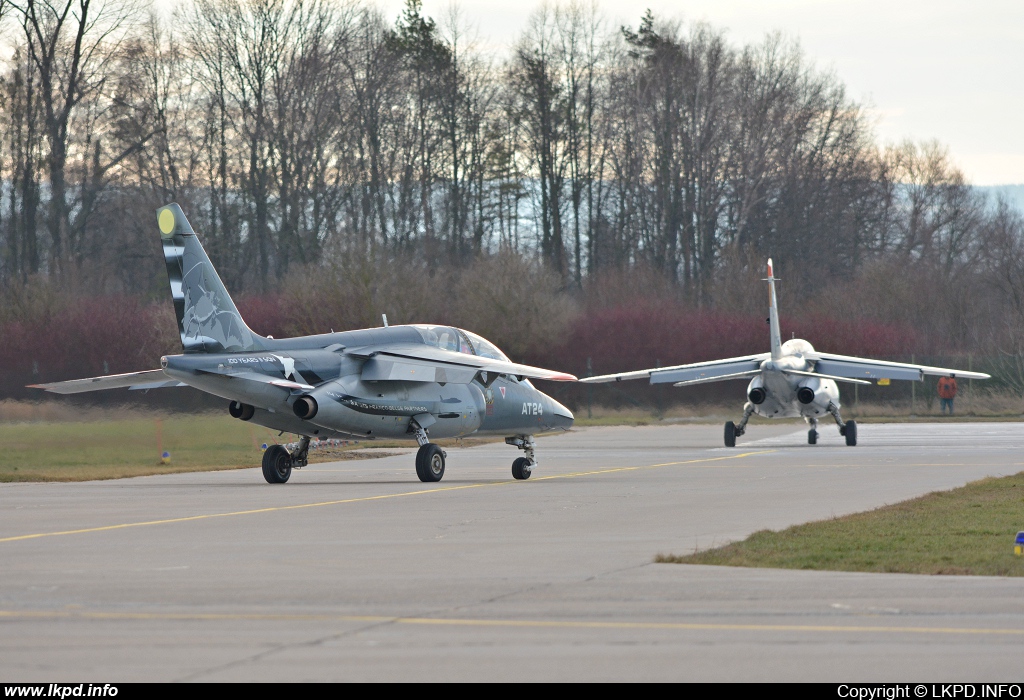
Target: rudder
<point x="208" y="320"/>
<point x="773" y="313"/>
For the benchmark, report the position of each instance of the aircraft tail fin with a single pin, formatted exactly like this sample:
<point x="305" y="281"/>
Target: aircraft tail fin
<point x="773" y="313"/>
<point x="208" y="320"/>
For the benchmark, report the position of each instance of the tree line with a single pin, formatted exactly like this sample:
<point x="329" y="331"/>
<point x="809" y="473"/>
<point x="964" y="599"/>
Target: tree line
<point x="300" y="135"/>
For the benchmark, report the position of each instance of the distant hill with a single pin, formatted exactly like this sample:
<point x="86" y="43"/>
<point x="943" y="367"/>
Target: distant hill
<point x="1014" y="194"/>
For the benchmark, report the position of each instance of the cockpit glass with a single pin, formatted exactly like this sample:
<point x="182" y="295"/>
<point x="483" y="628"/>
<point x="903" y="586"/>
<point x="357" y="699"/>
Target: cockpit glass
<point x="445" y="338"/>
<point x="485" y="348"/>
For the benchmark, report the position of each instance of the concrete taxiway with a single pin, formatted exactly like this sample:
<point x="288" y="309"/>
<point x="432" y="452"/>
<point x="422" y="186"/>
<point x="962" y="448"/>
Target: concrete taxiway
<point x="357" y="571"/>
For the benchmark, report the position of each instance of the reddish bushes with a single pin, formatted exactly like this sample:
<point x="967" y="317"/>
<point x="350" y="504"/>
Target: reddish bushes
<point x="84" y="338"/>
<point x="267" y="315"/>
<point x="88" y="337"/>
<point x="635" y="337"/>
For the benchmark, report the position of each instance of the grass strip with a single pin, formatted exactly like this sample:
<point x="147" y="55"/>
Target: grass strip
<point x="124" y="447"/>
<point x="966" y="531"/>
<point x="117" y="446"/>
<point x="111" y="449"/>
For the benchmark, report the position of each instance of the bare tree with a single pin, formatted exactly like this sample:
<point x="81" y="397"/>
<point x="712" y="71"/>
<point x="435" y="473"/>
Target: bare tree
<point x="71" y="46"/>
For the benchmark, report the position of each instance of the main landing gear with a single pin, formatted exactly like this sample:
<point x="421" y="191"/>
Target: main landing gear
<point x="523" y="466"/>
<point x="278" y="461"/>
<point x="429" y="458"/>
<point x="734" y="430"/>
<point x="847" y="429"/>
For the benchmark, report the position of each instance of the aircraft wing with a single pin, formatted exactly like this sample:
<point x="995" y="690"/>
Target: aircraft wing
<point x="149" y="379"/>
<point x="694" y="373"/>
<point x="413" y="362"/>
<point x="863" y="368"/>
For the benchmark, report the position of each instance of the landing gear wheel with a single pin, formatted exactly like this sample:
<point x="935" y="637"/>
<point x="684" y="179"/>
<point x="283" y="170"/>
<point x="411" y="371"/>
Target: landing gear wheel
<point x="812" y="437"/>
<point x="521" y="469"/>
<point x="850" y="433"/>
<point x="430" y="462"/>
<point x="730" y="434"/>
<point x="277" y="465"/>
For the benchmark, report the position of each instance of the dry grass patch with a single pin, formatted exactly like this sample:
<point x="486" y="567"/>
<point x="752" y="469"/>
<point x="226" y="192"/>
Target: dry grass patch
<point x="43" y="445"/>
<point x="969" y="530"/>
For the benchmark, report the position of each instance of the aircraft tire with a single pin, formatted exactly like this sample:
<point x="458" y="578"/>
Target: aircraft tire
<point x="812" y="437"/>
<point x="277" y="465"/>
<point x="851" y="433"/>
<point x="430" y="463"/>
<point x="521" y="469"/>
<point x="730" y="434"/>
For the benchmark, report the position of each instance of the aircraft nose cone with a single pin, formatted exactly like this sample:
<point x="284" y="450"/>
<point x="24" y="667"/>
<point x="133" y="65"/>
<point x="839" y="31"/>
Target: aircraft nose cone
<point x="563" y="417"/>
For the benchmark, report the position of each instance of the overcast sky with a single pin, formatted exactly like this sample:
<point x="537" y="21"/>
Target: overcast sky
<point x="942" y="69"/>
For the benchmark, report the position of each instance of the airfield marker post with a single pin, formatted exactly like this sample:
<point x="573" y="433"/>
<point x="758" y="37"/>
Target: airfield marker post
<point x="159" y="425"/>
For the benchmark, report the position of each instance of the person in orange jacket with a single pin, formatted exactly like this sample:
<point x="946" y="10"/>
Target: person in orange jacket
<point x="947" y="391"/>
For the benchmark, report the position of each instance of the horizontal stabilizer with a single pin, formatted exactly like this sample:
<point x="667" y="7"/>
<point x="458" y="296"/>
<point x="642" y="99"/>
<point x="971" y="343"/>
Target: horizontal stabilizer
<point x="848" y="380"/>
<point x="110" y="381"/>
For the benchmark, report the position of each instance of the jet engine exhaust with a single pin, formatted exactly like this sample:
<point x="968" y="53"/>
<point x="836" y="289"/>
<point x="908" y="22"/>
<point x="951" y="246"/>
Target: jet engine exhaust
<point x="305" y="407"/>
<point x="241" y="411"/>
<point x="757" y="396"/>
<point x="805" y="395"/>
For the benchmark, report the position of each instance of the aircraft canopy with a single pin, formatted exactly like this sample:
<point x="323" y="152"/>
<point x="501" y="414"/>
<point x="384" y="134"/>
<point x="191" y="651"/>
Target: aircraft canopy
<point x="458" y="340"/>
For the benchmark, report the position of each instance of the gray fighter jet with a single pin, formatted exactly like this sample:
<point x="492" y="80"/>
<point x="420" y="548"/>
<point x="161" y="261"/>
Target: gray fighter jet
<point x="792" y="381"/>
<point x="417" y="381"/>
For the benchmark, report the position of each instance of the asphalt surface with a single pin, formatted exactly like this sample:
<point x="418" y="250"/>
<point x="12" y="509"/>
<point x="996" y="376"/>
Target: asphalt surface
<point x="357" y="571"/>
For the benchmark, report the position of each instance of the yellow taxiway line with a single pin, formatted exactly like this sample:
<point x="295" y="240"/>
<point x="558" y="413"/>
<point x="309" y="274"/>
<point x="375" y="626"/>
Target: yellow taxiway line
<point x="470" y="622"/>
<point x="419" y="492"/>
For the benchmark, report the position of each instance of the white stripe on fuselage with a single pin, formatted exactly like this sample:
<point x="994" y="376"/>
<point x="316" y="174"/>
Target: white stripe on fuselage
<point x="289" y="366"/>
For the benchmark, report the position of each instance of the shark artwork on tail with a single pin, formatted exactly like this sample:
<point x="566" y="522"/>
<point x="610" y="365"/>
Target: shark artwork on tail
<point x="413" y="381"/>
<point x="792" y="380"/>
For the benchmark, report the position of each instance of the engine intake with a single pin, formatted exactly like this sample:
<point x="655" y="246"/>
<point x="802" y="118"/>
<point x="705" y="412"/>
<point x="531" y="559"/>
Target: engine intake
<point x="757" y="396"/>
<point x="805" y="395"/>
<point x="241" y="411"/>
<point x="305" y="407"/>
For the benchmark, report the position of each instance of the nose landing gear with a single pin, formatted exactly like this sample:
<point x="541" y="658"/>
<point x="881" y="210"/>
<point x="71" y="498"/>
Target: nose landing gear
<point x="429" y="458"/>
<point x="523" y="466"/>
